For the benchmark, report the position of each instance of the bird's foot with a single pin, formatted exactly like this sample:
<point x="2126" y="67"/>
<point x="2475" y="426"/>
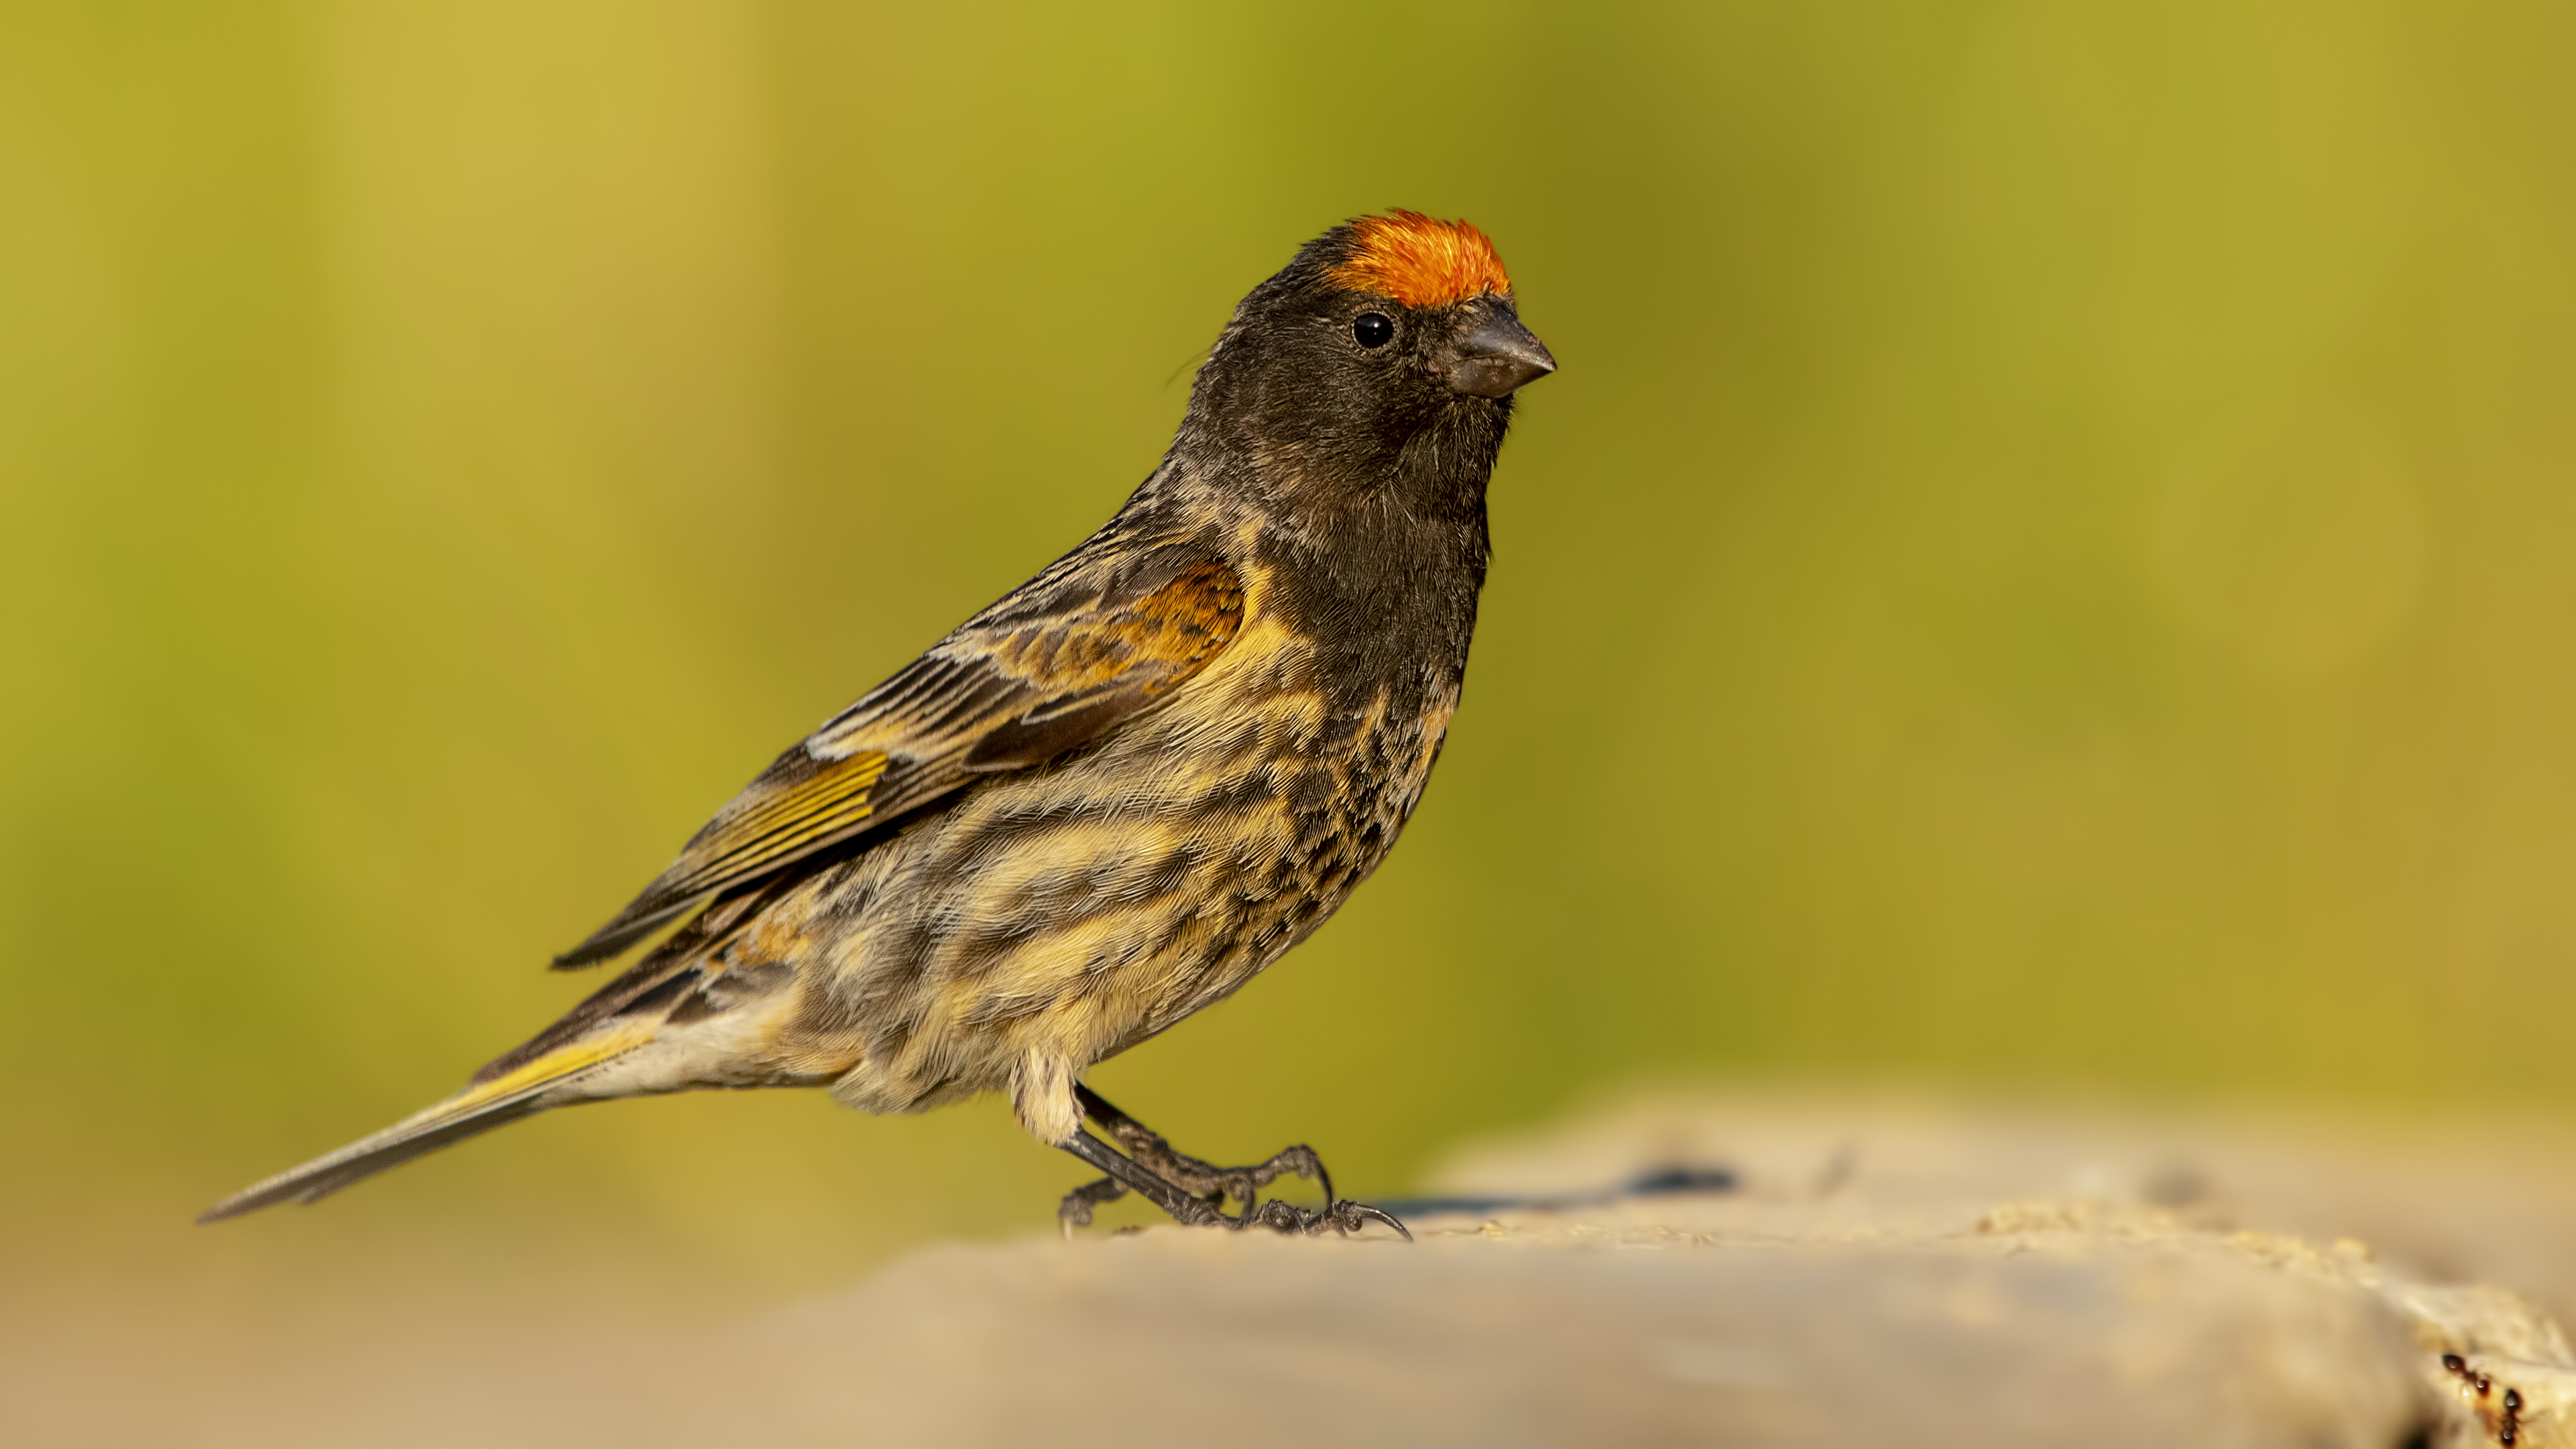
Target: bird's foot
<point x="1194" y="1192"/>
<point x="1340" y="1214"/>
<point x="1213" y="1183"/>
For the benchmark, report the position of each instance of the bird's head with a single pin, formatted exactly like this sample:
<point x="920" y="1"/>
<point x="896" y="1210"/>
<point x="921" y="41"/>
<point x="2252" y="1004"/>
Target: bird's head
<point x="1378" y="330"/>
<point x="1435" y="294"/>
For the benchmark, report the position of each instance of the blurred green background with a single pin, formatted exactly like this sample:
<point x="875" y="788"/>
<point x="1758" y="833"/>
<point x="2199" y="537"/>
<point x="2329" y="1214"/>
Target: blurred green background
<point x="2047" y="567"/>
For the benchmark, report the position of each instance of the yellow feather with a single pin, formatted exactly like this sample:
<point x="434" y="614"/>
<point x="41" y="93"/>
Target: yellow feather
<point x="553" y="1066"/>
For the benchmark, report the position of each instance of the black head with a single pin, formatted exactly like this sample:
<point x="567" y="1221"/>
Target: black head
<point x="1389" y="346"/>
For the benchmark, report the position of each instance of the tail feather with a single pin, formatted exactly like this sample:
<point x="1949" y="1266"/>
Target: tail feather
<point x="363" y="1159"/>
<point x="528" y="1090"/>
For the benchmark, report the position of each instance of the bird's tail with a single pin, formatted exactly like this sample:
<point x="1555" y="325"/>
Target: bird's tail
<point x="529" y="1088"/>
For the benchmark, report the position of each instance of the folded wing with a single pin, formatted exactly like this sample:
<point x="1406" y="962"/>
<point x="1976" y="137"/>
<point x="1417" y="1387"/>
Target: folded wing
<point x="1054" y="665"/>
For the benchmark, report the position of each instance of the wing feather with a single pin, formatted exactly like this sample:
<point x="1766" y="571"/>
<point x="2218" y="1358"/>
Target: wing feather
<point x="1036" y="675"/>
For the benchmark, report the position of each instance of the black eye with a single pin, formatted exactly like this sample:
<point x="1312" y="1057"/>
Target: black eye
<point x="1373" y="329"/>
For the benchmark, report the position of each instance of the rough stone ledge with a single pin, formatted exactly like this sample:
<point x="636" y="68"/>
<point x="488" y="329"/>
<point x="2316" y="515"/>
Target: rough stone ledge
<point x="1870" y="1277"/>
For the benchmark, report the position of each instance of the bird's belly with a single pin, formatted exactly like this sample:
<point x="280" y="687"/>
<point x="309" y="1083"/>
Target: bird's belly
<point x="1064" y="914"/>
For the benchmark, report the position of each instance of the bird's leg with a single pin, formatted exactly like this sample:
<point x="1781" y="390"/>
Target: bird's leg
<point x="1205" y="1180"/>
<point x="1126" y="1177"/>
<point x="1211" y="1185"/>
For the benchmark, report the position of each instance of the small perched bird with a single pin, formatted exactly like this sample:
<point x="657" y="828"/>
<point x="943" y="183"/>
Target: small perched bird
<point x="1113" y="797"/>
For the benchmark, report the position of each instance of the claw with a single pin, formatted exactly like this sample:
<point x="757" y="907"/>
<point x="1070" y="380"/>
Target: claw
<point x="1350" y="1217"/>
<point x="1075" y="1210"/>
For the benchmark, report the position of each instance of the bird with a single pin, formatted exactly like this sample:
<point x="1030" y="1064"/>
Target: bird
<point x="1112" y="798"/>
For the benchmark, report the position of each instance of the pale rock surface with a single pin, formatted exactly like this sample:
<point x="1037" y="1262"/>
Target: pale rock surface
<point x="1876" y="1275"/>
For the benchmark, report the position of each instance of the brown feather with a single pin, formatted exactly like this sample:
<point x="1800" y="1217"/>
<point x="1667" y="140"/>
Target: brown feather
<point x="1010" y="694"/>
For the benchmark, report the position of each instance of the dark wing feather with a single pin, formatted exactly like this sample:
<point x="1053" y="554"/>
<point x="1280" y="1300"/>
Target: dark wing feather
<point x="1077" y="651"/>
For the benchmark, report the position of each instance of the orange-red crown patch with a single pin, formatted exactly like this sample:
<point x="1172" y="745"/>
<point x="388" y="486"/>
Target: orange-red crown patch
<point x="1421" y="261"/>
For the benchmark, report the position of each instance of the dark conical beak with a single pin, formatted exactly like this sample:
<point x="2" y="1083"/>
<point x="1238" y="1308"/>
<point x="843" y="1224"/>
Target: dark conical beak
<point x="1497" y="357"/>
